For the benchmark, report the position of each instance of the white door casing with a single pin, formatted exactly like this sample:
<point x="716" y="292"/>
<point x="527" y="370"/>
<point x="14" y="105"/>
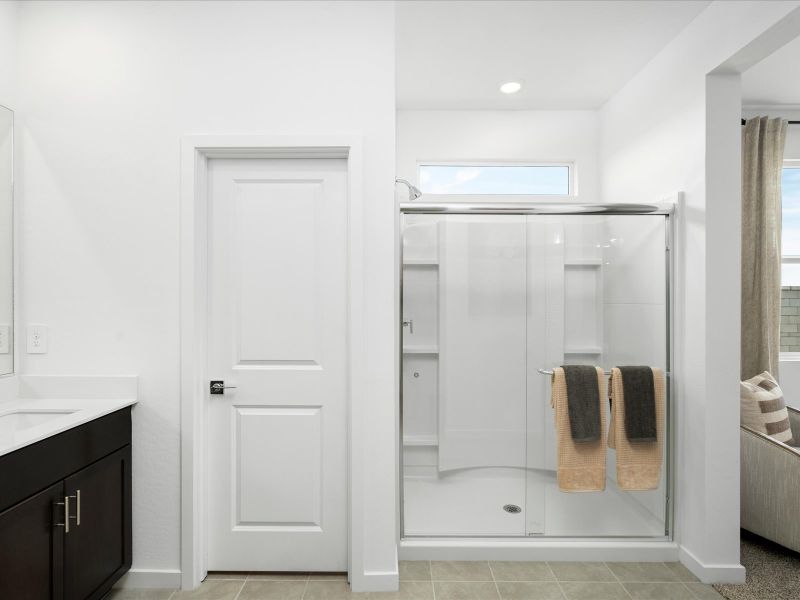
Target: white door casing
<point x="277" y="443"/>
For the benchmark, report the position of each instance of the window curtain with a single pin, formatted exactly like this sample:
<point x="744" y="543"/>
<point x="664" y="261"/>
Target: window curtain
<point x="763" y="141"/>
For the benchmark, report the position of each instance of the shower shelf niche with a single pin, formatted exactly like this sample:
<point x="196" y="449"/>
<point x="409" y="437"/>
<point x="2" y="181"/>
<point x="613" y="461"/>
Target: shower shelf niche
<point x="421" y="350"/>
<point x="586" y="350"/>
<point x="421" y="262"/>
<point x="421" y="440"/>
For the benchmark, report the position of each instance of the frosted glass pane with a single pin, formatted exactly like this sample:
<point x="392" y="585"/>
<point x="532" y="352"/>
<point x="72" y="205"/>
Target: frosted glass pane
<point x="495" y="179"/>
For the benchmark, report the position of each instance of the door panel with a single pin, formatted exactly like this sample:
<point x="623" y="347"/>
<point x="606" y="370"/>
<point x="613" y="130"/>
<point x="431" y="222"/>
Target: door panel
<point x="276" y="238"/>
<point x="31" y="567"/>
<point x="278" y="332"/>
<point x="296" y="503"/>
<point x="98" y="545"/>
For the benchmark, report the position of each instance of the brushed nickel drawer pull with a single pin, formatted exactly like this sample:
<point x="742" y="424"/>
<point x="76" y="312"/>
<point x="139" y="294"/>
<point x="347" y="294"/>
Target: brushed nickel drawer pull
<point x="65" y="504"/>
<point x="77" y="516"/>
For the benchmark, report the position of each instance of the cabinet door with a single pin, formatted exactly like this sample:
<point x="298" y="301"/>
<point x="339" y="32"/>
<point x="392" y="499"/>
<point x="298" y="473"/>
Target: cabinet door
<point x="97" y="548"/>
<point x="31" y="547"/>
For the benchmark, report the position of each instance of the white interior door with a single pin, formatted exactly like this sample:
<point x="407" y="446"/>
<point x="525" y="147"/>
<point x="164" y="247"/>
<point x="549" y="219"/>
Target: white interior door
<point x="277" y="481"/>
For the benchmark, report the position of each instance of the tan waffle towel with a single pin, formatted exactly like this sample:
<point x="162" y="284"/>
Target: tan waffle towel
<point x="581" y="466"/>
<point x="638" y="463"/>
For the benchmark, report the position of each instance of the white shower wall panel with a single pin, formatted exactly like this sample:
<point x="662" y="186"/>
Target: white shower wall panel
<point x="420" y="388"/>
<point x="633" y="260"/>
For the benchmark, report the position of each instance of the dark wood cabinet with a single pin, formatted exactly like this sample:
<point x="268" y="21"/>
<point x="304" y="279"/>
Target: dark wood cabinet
<point x="69" y="539"/>
<point x="97" y="547"/>
<point x="32" y="546"/>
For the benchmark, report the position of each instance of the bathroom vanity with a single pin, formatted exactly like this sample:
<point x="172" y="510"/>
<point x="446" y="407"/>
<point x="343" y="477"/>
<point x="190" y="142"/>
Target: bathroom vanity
<point x="65" y="456"/>
<point x="65" y="497"/>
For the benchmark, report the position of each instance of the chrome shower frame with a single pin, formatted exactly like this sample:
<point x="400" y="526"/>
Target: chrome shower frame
<point x="668" y="210"/>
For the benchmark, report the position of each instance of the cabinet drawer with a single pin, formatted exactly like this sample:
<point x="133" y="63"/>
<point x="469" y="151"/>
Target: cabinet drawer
<point x="32" y="468"/>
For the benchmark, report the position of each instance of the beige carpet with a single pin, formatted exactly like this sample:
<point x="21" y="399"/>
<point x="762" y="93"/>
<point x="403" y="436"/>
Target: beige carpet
<point x="773" y="572"/>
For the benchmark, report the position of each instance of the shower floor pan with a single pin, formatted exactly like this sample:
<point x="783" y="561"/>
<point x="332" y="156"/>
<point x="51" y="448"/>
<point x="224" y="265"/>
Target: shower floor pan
<point x="470" y="504"/>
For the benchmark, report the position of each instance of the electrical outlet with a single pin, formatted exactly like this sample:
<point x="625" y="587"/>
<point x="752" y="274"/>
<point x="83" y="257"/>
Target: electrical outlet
<point x="5" y="339"/>
<point x="37" y="339"/>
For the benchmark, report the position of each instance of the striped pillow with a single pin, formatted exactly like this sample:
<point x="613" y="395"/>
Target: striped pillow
<point x="763" y="408"/>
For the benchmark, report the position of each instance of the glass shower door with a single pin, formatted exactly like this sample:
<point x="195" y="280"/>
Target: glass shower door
<point x="470" y="478"/>
<point x="488" y="301"/>
<point x="602" y="284"/>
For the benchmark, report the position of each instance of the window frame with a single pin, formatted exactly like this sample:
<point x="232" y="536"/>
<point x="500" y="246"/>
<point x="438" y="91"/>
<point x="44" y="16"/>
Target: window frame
<point x="572" y="180"/>
<point x="788" y="259"/>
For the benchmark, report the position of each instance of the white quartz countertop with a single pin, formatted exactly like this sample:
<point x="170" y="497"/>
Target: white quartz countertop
<point x="28" y="419"/>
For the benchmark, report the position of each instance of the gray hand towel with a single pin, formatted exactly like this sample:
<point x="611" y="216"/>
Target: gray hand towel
<point x="639" y="391"/>
<point x="583" y="402"/>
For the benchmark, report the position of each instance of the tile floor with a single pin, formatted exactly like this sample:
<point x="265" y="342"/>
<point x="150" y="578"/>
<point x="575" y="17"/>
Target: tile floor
<point x="458" y="580"/>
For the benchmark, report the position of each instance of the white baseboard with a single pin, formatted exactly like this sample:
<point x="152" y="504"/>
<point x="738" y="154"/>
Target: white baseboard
<point x="732" y="573"/>
<point x="151" y="578"/>
<point x="540" y="550"/>
<point x="375" y="581"/>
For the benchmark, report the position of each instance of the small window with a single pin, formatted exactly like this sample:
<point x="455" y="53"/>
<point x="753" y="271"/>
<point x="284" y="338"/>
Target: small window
<point x="536" y="180"/>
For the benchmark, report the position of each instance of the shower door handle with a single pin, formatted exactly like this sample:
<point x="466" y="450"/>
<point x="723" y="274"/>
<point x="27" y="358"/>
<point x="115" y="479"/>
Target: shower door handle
<point x="410" y="325"/>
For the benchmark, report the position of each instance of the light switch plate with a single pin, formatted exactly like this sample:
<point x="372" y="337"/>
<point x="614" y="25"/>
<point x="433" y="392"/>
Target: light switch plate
<point x="5" y="339"/>
<point x="37" y="339"/>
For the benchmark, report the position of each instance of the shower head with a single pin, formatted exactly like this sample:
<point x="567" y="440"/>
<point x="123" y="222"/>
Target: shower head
<point x="413" y="191"/>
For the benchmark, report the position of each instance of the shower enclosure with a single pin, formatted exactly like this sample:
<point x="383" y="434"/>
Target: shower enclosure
<point x="492" y="295"/>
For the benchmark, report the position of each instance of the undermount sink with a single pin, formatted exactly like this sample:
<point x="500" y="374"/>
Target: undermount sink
<point x="19" y="420"/>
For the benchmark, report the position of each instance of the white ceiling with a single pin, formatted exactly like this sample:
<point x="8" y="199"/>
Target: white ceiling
<point x="775" y="79"/>
<point x="567" y="54"/>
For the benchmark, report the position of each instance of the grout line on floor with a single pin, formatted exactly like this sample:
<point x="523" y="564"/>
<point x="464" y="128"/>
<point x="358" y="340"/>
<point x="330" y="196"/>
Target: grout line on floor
<point x="553" y="573"/>
<point x="433" y="586"/>
<point x="494" y="579"/>
<point x="691" y="593"/>
<point x="624" y="589"/>
<point x="236" y="597"/>
<point x="305" y="587"/>
<point x="695" y="596"/>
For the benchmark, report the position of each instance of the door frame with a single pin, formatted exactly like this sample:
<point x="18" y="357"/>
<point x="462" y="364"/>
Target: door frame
<point x="196" y="151"/>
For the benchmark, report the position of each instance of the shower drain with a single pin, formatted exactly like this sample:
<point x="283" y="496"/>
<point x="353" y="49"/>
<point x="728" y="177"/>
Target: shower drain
<point x="512" y="508"/>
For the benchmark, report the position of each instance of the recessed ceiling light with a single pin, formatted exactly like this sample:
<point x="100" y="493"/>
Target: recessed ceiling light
<point x="511" y="87"/>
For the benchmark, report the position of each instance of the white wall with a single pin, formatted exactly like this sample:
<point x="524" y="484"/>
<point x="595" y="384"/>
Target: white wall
<point x="9" y="12"/>
<point x="108" y="90"/>
<point x="496" y="135"/>
<point x="653" y="144"/>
